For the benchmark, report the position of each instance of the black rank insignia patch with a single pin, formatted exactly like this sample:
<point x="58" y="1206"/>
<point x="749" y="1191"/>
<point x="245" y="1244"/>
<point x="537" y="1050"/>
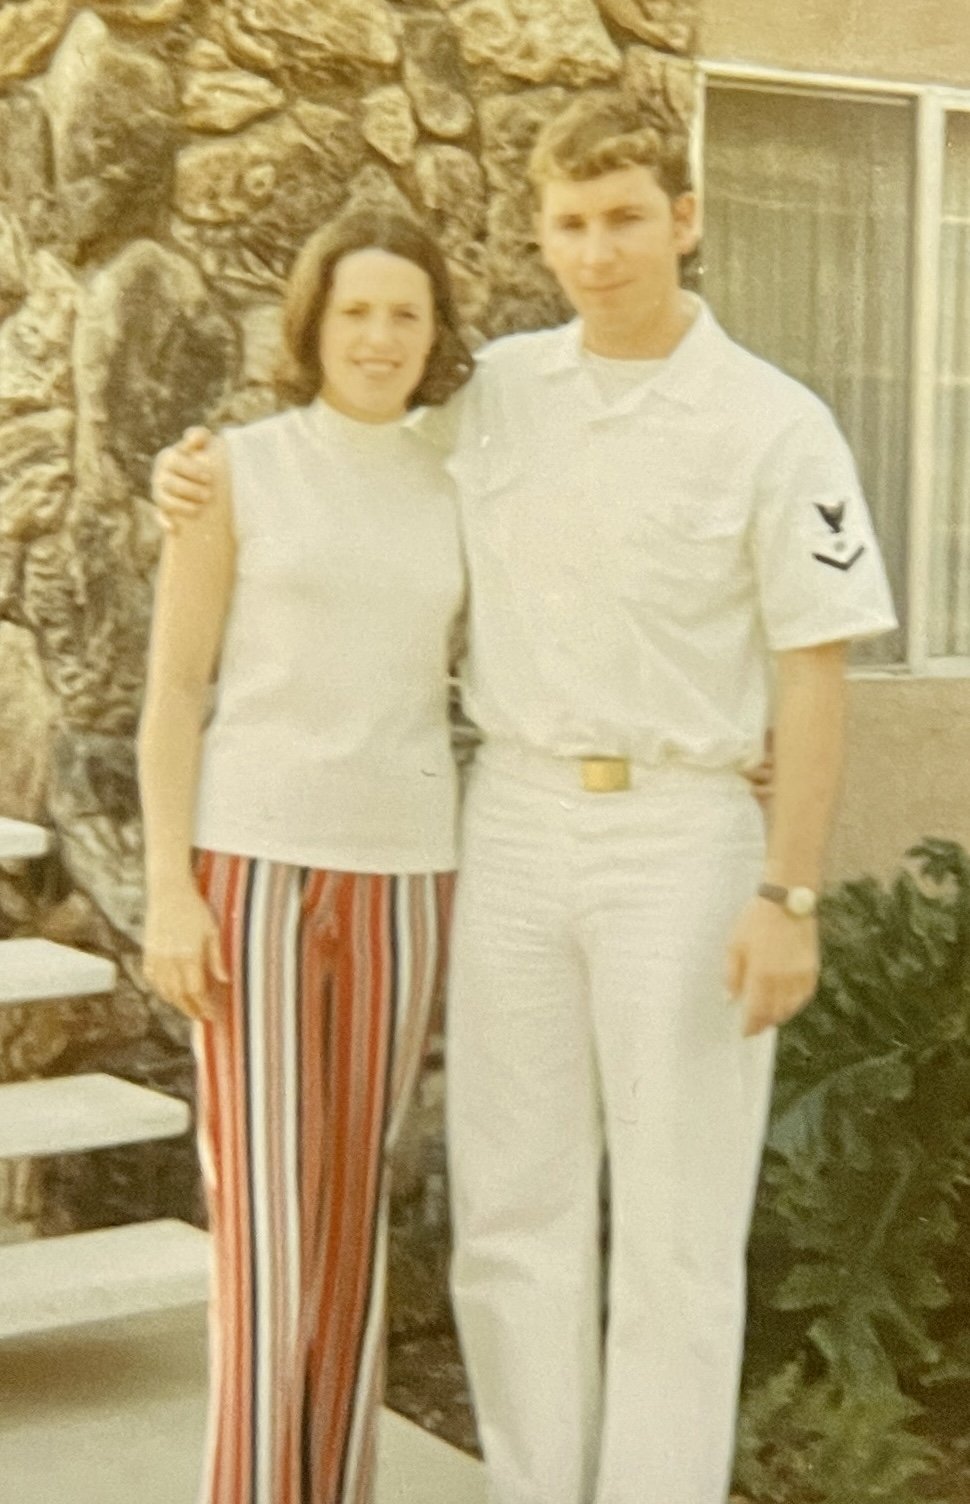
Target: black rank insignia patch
<point x="838" y="552"/>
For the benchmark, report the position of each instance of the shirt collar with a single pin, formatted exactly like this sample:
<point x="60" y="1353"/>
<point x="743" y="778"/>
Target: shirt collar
<point x="683" y="376"/>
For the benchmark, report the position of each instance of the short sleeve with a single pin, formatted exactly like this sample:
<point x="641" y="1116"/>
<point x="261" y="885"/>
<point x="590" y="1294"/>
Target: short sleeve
<point x="820" y="573"/>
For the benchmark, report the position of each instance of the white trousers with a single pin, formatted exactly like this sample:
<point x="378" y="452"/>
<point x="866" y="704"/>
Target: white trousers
<point x="588" y="1012"/>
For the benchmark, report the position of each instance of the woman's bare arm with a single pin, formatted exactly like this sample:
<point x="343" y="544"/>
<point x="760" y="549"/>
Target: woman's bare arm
<point x="192" y="596"/>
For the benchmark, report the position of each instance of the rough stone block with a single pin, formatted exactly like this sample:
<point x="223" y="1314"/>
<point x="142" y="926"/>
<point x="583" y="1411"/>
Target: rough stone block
<point x="218" y="97"/>
<point x="435" y="78"/>
<point x="29" y="29"/>
<point x="153" y="354"/>
<point x="35" y="342"/>
<point x="266" y="33"/>
<point x="539" y="41"/>
<point x="389" y="125"/>
<point x="246" y="204"/>
<point x="111" y="109"/>
<point x="667" y="24"/>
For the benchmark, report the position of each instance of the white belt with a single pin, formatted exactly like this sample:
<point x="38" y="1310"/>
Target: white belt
<point x="593" y="773"/>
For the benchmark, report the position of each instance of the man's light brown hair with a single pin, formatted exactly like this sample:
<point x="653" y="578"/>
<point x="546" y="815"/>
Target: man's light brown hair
<point x="601" y="131"/>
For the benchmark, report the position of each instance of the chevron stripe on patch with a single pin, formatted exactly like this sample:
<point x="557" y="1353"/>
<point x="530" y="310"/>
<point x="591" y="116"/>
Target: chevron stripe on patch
<point x="837" y="563"/>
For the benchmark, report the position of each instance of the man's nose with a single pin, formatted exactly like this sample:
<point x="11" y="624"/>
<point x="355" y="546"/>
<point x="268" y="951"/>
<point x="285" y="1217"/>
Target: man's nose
<point x="597" y="245"/>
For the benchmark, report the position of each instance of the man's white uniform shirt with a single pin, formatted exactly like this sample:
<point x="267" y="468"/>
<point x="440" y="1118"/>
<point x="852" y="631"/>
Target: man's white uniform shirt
<point x="637" y="549"/>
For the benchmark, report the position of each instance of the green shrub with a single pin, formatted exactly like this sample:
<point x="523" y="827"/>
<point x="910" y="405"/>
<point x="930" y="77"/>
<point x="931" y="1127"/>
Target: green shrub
<point x="861" y="1237"/>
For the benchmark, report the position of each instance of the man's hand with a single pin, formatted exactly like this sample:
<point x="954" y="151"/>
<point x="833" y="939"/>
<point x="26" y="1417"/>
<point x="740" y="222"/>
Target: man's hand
<point x="762" y="778"/>
<point x="182" y="478"/>
<point x="772" y="964"/>
<point x="762" y="781"/>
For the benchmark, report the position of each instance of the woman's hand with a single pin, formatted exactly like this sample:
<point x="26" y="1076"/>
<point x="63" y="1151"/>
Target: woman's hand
<point x="183" y="959"/>
<point x="182" y="480"/>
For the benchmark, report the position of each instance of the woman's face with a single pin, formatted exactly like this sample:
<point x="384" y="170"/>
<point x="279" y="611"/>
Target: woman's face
<point x="377" y="329"/>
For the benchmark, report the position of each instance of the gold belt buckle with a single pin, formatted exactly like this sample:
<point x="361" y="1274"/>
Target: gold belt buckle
<point x="605" y="775"/>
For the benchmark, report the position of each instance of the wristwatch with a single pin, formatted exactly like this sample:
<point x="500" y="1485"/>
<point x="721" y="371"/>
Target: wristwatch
<point x="800" y="903"/>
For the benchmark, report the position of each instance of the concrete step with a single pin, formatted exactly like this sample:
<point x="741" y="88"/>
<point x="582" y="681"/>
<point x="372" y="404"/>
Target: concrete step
<point x="414" y="1467"/>
<point x="116" y="1412"/>
<point x="37" y="970"/>
<point x="96" y="1276"/>
<point x="72" y="1113"/>
<point x="19" y="839"/>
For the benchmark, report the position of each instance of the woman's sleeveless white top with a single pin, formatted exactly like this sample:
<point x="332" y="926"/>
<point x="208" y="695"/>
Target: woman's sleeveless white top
<point x="329" y="743"/>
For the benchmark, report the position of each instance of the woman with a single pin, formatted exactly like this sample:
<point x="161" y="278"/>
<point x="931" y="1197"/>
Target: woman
<point x="324" y="579"/>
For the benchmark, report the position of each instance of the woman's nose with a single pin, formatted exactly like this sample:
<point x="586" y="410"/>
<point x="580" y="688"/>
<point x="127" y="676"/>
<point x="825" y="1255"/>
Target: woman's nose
<point x="379" y="331"/>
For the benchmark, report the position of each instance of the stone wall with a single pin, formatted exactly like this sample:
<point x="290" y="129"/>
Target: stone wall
<point x="160" y="162"/>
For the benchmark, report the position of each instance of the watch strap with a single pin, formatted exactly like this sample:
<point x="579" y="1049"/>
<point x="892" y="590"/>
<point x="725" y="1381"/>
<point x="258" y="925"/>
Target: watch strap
<point x="799" y="902"/>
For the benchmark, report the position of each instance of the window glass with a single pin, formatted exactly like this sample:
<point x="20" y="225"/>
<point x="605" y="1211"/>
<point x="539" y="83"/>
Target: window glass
<point x="807" y="260"/>
<point x="949" y="628"/>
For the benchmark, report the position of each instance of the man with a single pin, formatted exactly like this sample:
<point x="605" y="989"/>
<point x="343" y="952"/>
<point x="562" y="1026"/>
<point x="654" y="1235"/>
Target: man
<point x="653" y="519"/>
<point x="658" y="526"/>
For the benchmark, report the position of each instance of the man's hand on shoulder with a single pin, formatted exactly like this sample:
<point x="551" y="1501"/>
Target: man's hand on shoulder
<point x="772" y="964"/>
<point x="182" y="477"/>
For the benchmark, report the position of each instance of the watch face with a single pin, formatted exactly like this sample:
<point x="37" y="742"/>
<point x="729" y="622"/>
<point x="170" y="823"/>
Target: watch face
<point x="801" y="901"/>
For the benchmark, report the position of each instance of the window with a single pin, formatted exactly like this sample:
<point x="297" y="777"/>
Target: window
<point x="837" y="244"/>
<point x="949" y="626"/>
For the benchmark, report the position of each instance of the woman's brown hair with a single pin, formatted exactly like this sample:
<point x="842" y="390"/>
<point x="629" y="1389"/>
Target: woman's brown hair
<point x="299" y="375"/>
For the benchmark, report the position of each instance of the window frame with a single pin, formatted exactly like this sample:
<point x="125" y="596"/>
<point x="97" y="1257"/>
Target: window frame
<point x="932" y="104"/>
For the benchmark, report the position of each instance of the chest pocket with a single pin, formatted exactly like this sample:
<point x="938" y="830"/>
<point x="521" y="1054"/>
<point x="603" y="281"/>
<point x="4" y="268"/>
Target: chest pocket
<point x="685" y="557"/>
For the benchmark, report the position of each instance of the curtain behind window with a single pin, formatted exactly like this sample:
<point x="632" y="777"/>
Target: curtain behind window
<point x="807" y="258"/>
<point x="950" y="568"/>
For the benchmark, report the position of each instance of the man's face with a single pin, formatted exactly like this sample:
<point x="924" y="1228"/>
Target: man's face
<point x="614" y="243"/>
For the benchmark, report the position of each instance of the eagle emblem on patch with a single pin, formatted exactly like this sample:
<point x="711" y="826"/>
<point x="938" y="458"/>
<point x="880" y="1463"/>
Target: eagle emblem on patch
<point x="837" y="552"/>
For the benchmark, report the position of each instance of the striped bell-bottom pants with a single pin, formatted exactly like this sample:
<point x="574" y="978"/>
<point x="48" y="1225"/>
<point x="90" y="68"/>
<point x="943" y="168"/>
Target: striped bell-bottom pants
<point x="304" y="1078"/>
